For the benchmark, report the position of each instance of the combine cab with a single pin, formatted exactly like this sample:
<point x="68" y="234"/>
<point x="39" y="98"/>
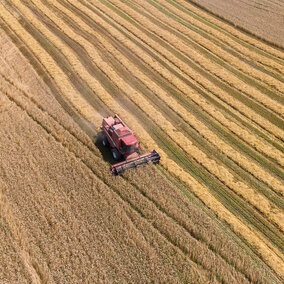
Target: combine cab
<point x="124" y="145"/>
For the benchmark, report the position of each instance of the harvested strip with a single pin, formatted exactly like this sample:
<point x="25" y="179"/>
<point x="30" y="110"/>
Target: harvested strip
<point x="240" y="131"/>
<point x="197" y="57"/>
<point x="229" y="30"/>
<point x="185" y="15"/>
<point x="218" y="51"/>
<point x="251" y="167"/>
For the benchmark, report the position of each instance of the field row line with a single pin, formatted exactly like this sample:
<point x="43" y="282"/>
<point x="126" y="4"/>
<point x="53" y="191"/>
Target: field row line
<point x="71" y="25"/>
<point x="260" y="145"/>
<point x="59" y="138"/>
<point x="57" y="74"/>
<point x="33" y="100"/>
<point x="223" y="38"/>
<point x="268" y="126"/>
<point x="216" y="50"/>
<point x="195" y="56"/>
<point x="229" y="30"/>
<point x="222" y="173"/>
<point x="185" y="248"/>
<point x="20" y="242"/>
<point x="205" y="132"/>
<point x="201" y="191"/>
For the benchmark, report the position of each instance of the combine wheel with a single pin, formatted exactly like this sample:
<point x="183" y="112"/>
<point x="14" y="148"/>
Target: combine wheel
<point x="105" y="142"/>
<point x="116" y="155"/>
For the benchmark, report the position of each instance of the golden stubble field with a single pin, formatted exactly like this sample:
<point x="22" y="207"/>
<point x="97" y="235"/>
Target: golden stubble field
<point x="208" y="97"/>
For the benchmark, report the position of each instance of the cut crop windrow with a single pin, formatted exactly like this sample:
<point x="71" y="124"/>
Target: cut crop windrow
<point x="198" y="58"/>
<point x="188" y="117"/>
<point x="232" y="32"/>
<point x="223" y="174"/>
<point x="254" y="239"/>
<point x="239" y="64"/>
<point x="252" y="139"/>
<point x="190" y="17"/>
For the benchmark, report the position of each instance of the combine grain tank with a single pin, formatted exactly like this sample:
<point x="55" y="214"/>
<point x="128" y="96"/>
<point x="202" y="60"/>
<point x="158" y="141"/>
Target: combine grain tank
<point x="124" y="145"/>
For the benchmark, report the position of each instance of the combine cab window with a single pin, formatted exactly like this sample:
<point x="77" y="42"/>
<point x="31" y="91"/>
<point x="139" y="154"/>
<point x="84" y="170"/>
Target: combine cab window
<point x="127" y="149"/>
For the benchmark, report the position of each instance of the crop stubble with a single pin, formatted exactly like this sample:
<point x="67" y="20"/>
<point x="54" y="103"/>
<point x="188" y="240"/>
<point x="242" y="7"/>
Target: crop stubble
<point x="188" y="117"/>
<point x="254" y="198"/>
<point x="197" y="188"/>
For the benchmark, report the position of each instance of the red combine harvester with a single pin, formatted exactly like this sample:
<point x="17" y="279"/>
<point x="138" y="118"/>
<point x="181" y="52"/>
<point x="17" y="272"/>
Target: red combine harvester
<point x="124" y="144"/>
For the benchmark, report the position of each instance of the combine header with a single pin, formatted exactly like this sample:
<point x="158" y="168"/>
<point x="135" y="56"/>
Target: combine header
<point x="124" y="145"/>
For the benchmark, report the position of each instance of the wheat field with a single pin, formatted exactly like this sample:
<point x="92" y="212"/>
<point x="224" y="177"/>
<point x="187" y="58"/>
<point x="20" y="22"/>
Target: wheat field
<point x="207" y="96"/>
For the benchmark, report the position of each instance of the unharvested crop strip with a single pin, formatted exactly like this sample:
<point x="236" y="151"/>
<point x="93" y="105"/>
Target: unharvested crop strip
<point x="201" y="191"/>
<point x="60" y="78"/>
<point x="190" y="17"/>
<point x="198" y="57"/>
<point x="62" y="142"/>
<point x="195" y="37"/>
<point x="240" y="159"/>
<point x="223" y="174"/>
<point x="44" y="111"/>
<point x="238" y="130"/>
<point x="229" y="30"/>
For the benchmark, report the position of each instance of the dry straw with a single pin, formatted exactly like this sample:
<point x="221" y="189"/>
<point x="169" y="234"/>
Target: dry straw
<point x="225" y="39"/>
<point x="219" y="171"/>
<point x="253" y="140"/>
<point x="264" y="248"/>
<point x="233" y="31"/>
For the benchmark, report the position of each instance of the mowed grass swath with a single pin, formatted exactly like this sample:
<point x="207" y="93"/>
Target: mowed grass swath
<point x="210" y="113"/>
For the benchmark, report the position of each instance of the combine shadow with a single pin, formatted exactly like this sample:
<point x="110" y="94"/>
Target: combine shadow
<point x="105" y="151"/>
